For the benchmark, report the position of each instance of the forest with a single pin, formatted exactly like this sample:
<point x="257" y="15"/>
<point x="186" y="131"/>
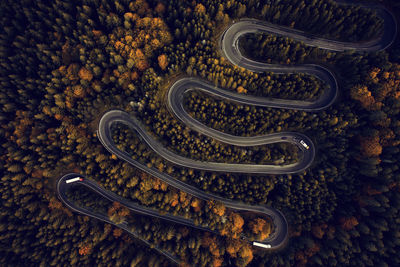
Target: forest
<point x="65" y="63"/>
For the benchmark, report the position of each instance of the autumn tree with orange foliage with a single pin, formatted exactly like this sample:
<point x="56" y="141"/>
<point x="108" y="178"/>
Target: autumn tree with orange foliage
<point x="217" y="207"/>
<point x="85" y="249"/>
<point x="348" y="223"/>
<point x="246" y="255"/>
<point x="241" y="90"/>
<point x="162" y="61"/>
<point x="85" y="74"/>
<point x="233" y="226"/>
<point x="260" y="227"/>
<point x="200" y="9"/>
<point x="370" y="146"/>
<point x="365" y="97"/>
<point x="196" y="204"/>
<point x="117" y="232"/>
<point x="137" y="44"/>
<point x="117" y="213"/>
<point x="211" y="243"/>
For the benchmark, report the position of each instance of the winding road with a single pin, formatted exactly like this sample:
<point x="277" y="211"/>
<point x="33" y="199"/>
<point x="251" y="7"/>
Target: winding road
<point x="230" y="50"/>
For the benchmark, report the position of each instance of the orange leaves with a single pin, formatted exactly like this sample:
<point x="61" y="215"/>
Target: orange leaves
<point x="237" y="221"/>
<point x="390" y="87"/>
<point x="384" y="89"/>
<point x="134" y="76"/>
<point x="348" y="223"/>
<point x="140" y="60"/>
<point x="217" y="262"/>
<point x="200" y="9"/>
<point x="246" y="253"/>
<point x="78" y="91"/>
<point x="374" y="72"/>
<point x="174" y="200"/>
<point x="97" y="34"/>
<point x="130" y="16"/>
<point x="142" y="65"/>
<point x="146" y="185"/>
<point x="241" y="90"/>
<point x="85" y="74"/>
<point x="370" y="146"/>
<point x="162" y="61"/>
<point x="85" y="249"/>
<point x="149" y="183"/>
<point x="119" y="45"/>
<point x="58" y="117"/>
<point x="117" y="232"/>
<point x="139" y="54"/>
<point x="183" y="199"/>
<point x="234" y="226"/>
<point x="139" y="42"/>
<point x="217" y="207"/>
<point x="196" y="204"/>
<point x="47" y="110"/>
<point x="55" y="204"/>
<point x="159" y="185"/>
<point x="37" y="174"/>
<point x="261" y="227"/>
<point x="211" y="242"/>
<point x="234" y="245"/>
<point x="364" y="96"/>
<point x="128" y="39"/>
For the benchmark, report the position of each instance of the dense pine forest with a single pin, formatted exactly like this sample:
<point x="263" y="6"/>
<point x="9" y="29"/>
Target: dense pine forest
<point x="64" y="63"/>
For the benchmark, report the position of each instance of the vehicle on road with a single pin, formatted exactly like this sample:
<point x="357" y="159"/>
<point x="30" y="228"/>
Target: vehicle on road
<point x="258" y="244"/>
<point x="76" y="179"/>
<point x="304" y="144"/>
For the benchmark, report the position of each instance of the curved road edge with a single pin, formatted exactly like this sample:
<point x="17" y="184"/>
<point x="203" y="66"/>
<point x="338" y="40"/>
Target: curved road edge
<point x="276" y="239"/>
<point x="244" y="26"/>
<point x="62" y="187"/>
<point x="114" y="116"/>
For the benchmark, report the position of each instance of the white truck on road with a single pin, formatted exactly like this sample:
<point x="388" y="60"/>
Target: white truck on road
<point x="74" y="180"/>
<point x="257" y="244"/>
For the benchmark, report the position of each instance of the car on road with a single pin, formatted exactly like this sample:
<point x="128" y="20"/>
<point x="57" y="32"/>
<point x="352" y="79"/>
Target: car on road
<point x="304" y="144"/>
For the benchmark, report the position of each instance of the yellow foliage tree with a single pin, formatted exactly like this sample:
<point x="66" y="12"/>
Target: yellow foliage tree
<point x="241" y="90"/>
<point x="200" y="9"/>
